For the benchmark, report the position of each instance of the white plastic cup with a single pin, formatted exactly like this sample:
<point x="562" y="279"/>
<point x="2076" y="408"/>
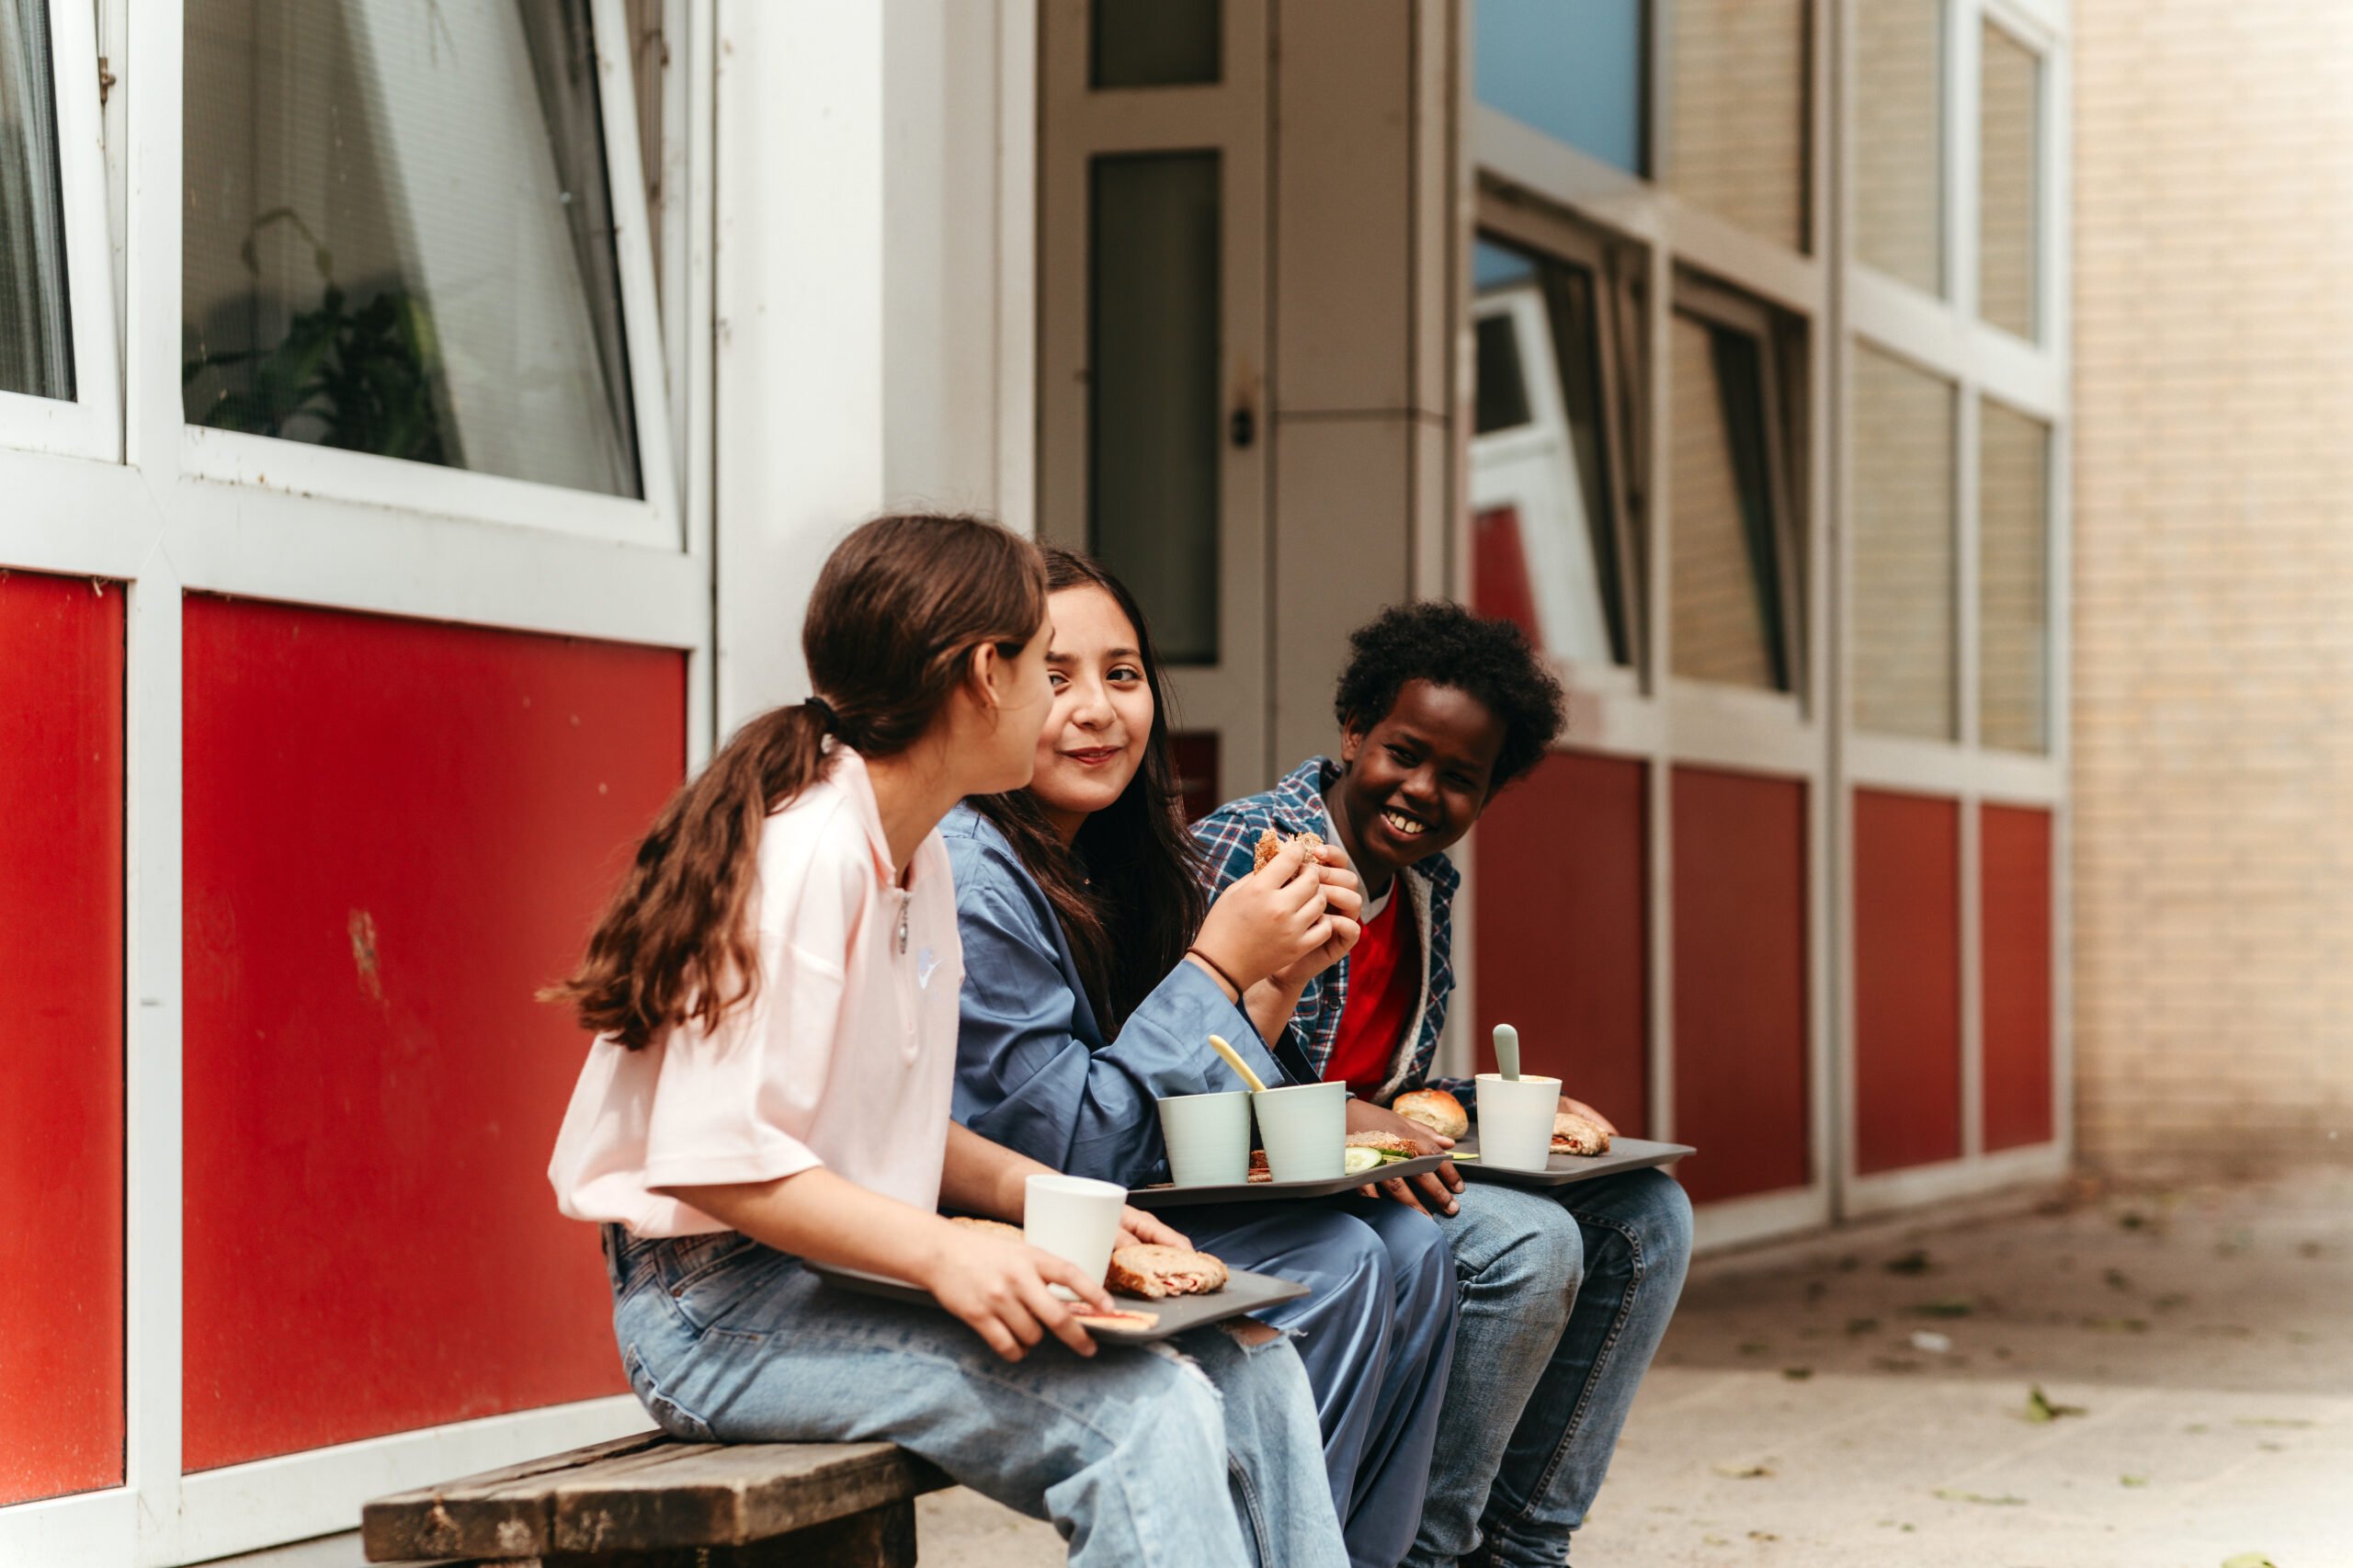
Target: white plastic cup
<point x="1516" y="1120"/>
<point x="1208" y="1138"/>
<point x="1076" y="1218"/>
<point x="1306" y="1130"/>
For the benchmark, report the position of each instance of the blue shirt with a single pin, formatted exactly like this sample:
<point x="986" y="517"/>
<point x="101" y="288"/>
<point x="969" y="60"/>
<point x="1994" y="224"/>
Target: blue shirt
<point x="1033" y="1069"/>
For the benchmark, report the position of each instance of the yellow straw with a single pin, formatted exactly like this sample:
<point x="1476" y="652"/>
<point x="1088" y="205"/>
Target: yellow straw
<point x="1233" y="1060"/>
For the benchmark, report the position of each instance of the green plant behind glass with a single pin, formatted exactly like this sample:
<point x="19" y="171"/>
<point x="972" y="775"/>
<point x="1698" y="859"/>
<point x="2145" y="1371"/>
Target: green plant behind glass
<point x="364" y="378"/>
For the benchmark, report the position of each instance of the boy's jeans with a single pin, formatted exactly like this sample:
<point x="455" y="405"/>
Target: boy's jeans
<point x="1137" y="1455"/>
<point x="1567" y="1292"/>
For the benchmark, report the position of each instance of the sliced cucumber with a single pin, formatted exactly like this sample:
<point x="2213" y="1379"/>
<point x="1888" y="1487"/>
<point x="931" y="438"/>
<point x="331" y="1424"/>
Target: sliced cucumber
<point x="1356" y="1161"/>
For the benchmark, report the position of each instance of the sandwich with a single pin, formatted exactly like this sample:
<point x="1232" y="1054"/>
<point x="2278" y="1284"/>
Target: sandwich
<point x="1153" y="1272"/>
<point x="1434" y="1108"/>
<point x="1270" y="844"/>
<point x="1259" y="1169"/>
<point x="1370" y="1150"/>
<point x="1574" y="1134"/>
<point x="993" y="1227"/>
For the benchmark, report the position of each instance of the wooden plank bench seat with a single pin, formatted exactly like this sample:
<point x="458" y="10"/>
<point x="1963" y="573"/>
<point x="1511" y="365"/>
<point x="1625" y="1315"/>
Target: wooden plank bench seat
<point x="653" y="1501"/>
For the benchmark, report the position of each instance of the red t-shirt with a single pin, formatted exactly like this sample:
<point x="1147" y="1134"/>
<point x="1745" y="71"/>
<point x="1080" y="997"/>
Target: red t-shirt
<point x="1384" y="981"/>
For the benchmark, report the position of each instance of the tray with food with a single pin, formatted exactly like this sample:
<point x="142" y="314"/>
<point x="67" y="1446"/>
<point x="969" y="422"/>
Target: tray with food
<point x="1161" y="1292"/>
<point x="1356" y="1171"/>
<point x="1580" y="1151"/>
<point x="1565" y="1166"/>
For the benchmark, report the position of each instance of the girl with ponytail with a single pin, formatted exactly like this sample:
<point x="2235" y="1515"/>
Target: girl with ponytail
<point x="774" y="994"/>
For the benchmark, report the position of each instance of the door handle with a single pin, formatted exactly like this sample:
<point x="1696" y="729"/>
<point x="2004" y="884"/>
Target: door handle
<point x="1242" y="426"/>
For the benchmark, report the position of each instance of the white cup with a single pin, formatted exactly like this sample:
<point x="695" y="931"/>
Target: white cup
<point x="1076" y="1217"/>
<point x="1208" y="1138"/>
<point x="1516" y="1120"/>
<point x="1306" y="1130"/>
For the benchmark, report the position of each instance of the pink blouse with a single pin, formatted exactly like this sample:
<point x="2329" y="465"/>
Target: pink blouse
<point x="846" y="1058"/>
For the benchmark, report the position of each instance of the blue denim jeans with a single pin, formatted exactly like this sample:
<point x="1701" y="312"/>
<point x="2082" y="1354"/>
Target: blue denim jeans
<point x="1376" y="1333"/>
<point x="1567" y="1292"/>
<point x="1140" y="1455"/>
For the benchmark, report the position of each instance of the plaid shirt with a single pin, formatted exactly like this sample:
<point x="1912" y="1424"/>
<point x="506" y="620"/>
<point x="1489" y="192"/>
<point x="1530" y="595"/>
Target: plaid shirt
<point x="1230" y="838"/>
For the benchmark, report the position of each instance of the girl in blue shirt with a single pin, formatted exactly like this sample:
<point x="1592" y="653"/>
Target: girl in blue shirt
<point x="1095" y="970"/>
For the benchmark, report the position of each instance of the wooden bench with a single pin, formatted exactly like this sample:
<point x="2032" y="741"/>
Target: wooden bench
<point x="653" y="1501"/>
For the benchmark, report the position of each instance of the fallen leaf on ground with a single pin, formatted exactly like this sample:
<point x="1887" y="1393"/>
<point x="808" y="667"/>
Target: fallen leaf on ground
<point x="1929" y="1340"/>
<point x="2040" y="1409"/>
<point x="2116" y="1325"/>
<point x="1797" y="1374"/>
<point x="1912" y="1262"/>
<point x="1754" y="1348"/>
<point x="2249" y="1560"/>
<point x="1945" y="1307"/>
<point x="2004" y="1501"/>
<point x="1762" y="1535"/>
<point x="1863" y="1325"/>
<point x="1743" y="1472"/>
<point x="2132" y="1480"/>
<point x="2116" y="1280"/>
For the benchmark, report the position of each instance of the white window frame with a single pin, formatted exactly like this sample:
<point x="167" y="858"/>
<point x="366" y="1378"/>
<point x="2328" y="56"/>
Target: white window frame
<point x="303" y="469"/>
<point x="89" y="423"/>
<point x="1946" y="338"/>
<point x="375" y="535"/>
<point x="1673" y="723"/>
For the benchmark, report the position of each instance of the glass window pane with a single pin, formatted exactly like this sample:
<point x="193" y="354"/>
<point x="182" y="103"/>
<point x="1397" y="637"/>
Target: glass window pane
<point x="1152" y="436"/>
<point x="1736" y="140"/>
<point x="2013" y="580"/>
<point x="1906" y="651"/>
<point x="398" y="236"/>
<point x="1726" y="582"/>
<point x="36" y="335"/>
<point x="1574" y="71"/>
<point x="1899" y="140"/>
<point x="1544" y="545"/>
<point x="2008" y="191"/>
<point x="1157" y="43"/>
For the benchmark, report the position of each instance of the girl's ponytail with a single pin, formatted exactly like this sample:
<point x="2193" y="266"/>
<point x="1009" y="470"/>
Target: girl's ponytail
<point x="893" y="623"/>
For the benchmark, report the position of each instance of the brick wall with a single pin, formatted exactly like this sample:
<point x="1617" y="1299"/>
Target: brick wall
<point x="2213" y="678"/>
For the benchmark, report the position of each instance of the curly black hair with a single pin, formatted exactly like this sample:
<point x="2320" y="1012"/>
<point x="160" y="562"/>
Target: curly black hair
<point x="1441" y="643"/>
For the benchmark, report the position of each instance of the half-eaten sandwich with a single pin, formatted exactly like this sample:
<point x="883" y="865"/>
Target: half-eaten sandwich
<point x="1371" y="1149"/>
<point x="1153" y="1272"/>
<point x="1270" y="844"/>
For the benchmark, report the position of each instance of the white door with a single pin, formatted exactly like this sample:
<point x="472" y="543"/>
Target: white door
<point x="1151" y="402"/>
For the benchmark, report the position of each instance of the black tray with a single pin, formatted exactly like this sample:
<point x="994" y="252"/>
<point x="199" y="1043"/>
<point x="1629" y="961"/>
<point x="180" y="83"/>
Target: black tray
<point x="1625" y="1154"/>
<point x="1243" y="1293"/>
<point x="1168" y="1196"/>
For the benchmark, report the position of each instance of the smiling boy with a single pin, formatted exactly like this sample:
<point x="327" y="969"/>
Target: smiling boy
<point x="1566" y="1291"/>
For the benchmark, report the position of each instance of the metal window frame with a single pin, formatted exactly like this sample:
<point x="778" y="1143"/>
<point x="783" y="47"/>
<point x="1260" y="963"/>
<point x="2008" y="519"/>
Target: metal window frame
<point x="1946" y="337"/>
<point x="1832" y="299"/>
<point x="89" y="423"/>
<point x="378" y="537"/>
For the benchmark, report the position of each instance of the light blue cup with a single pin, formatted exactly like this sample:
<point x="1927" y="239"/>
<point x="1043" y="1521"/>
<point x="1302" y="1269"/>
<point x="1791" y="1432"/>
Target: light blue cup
<point x="1208" y="1138"/>
<point x="1306" y="1130"/>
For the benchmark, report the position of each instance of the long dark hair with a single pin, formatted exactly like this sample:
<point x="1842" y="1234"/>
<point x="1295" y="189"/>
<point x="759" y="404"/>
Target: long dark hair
<point x="1127" y="890"/>
<point x="898" y="611"/>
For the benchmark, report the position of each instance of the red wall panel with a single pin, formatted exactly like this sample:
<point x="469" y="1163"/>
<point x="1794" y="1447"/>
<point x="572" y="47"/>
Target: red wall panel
<point x="1740" y="982"/>
<point x="1499" y="580"/>
<point x="2016" y="857"/>
<point x="1563" y="918"/>
<point x="61" y="1014"/>
<point x="394" y="833"/>
<point x="1907" y="981"/>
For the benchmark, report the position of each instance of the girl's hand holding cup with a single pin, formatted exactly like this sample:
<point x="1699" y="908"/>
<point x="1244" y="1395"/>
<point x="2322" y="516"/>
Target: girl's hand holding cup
<point x="1002" y="1288"/>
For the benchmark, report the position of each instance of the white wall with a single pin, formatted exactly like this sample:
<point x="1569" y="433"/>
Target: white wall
<point x="872" y="294"/>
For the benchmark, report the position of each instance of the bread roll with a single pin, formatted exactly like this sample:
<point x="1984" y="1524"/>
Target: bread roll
<point x="1434" y="1108"/>
<point x="994" y="1227"/>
